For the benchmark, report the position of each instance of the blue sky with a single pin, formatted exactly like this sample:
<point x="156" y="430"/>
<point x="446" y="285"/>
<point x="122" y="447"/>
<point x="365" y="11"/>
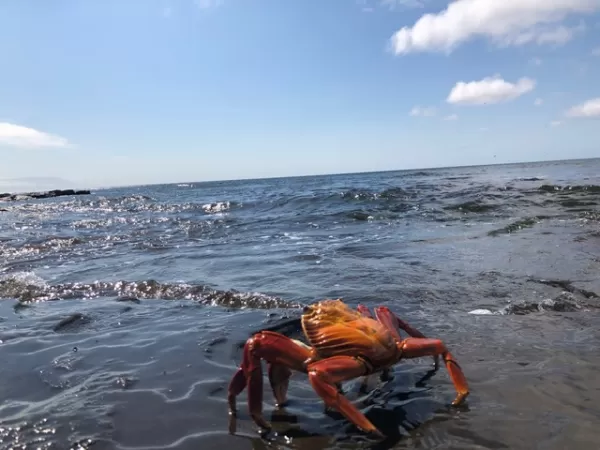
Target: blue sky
<point x="118" y="92"/>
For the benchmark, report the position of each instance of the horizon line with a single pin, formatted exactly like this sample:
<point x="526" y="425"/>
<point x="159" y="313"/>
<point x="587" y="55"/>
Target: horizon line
<point x="332" y="174"/>
<point x="308" y="175"/>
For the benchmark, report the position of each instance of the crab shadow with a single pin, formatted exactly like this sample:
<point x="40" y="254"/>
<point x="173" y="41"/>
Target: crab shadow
<point x="397" y="413"/>
<point x="397" y="406"/>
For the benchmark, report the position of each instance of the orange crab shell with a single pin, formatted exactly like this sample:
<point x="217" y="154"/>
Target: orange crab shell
<point x="344" y="344"/>
<point x="332" y="328"/>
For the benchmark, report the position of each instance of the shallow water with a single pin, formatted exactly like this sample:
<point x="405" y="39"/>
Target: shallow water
<point x="122" y="311"/>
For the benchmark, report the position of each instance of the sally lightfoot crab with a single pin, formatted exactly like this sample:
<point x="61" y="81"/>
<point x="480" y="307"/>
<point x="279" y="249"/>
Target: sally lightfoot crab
<point x="344" y="344"/>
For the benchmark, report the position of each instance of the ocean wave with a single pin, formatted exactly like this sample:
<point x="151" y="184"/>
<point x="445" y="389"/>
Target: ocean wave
<point x="135" y="203"/>
<point x="570" y="189"/>
<point x="28" y="289"/>
<point x="385" y="203"/>
<point x="513" y="227"/>
<point x="473" y="206"/>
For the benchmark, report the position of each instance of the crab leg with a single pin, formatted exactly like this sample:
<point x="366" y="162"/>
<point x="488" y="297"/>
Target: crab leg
<point x="325" y="374"/>
<point x="281" y="354"/>
<point x="418" y="347"/>
<point x="364" y="311"/>
<point x="385" y="373"/>
<point x="279" y="379"/>
<point x="393" y="322"/>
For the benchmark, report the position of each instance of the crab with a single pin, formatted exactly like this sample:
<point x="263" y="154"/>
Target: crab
<point x="344" y="344"/>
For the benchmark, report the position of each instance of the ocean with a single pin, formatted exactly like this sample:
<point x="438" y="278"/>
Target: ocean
<point x="122" y="312"/>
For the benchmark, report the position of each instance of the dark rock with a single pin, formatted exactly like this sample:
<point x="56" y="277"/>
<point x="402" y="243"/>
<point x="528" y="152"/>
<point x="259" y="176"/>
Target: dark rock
<point x="549" y="188"/>
<point x="566" y="285"/>
<point x="565" y="302"/>
<point x="44" y="194"/>
<point x="125" y="382"/>
<point x="74" y="319"/>
<point x="129" y="299"/>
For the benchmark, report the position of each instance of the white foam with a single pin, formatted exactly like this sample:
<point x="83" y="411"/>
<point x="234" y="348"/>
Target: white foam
<point x="481" y="312"/>
<point x="216" y="207"/>
<point x="28" y="278"/>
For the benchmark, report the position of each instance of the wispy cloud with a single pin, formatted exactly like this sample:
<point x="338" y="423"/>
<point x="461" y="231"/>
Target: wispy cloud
<point x="536" y="61"/>
<point x="538" y="102"/>
<point x="587" y="109"/>
<point x="207" y="4"/>
<point x="391" y="5"/>
<point x="555" y="123"/>
<point x="451" y="117"/>
<point x="23" y="137"/>
<point x="489" y="90"/>
<point x="429" y="111"/>
<point x="596" y="51"/>
<point x="505" y="22"/>
<point x="402" y="4"/>
<point x="558" y="35"/>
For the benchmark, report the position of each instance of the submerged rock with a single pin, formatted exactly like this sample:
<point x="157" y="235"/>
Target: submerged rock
<point x="74" y="320"/>
<point x="134" y="291"/>
<point x="565" y="302"/>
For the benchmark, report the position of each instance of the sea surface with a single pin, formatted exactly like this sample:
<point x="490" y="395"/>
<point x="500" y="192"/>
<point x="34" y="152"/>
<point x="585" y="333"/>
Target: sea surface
<point x="122" y="312"/>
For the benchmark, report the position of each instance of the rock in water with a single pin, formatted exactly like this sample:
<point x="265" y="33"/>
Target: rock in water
<point x="565" y="302"/>
<point x="44" y="194"/>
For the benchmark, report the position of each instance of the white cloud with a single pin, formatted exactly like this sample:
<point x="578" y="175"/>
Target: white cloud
<point x="20" y="136"/>
<point x="489" y="90"/>
<point x="451" y="117"/>
<point x="423" y="111"/>
<point x="505" y="22"/>
<point x="538" y="102"/>
<point x="590" y="108"/>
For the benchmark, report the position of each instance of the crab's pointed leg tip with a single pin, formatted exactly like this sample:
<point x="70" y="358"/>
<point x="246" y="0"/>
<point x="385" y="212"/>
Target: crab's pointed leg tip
<point x="460" y="400"/>
<point x="264" y="432"/>
<point x="232" y="423"/>
<point x="376" y="434"/>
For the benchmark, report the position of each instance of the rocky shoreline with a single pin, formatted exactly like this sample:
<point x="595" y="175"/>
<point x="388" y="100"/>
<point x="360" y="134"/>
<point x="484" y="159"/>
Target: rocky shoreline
<point x="7" y="197"/>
